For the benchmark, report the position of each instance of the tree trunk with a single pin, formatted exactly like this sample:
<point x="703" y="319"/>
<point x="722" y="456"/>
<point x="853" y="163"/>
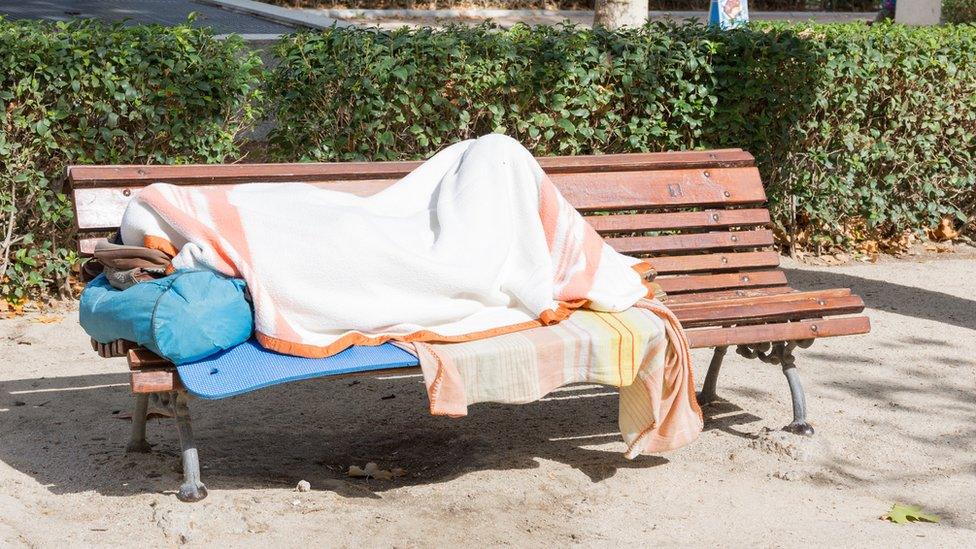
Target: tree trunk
<point x="918" y="12"/>
<point x="614" y="14"/>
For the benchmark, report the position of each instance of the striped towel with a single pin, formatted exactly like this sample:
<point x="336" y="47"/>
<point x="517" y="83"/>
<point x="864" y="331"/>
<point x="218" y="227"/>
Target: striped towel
<point x="641" y="350"/>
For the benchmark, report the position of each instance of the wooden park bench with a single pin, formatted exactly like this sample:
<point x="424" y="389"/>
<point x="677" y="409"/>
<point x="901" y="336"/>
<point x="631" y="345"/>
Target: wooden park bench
<point x="699" y="218"/>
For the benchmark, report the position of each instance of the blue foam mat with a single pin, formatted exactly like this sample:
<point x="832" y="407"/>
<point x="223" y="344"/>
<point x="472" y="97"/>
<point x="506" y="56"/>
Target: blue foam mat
<point x="249" y="366"/>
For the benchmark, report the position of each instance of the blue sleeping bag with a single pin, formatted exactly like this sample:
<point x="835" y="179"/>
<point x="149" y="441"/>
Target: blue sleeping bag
<point x="184" y="317"/>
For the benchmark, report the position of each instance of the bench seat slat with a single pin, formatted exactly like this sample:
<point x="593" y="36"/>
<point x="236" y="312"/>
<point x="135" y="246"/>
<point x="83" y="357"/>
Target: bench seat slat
<point x="168" y="379"/>
<point x="155" y="380"/>
<point x="704" y="219"/>
<point x="144" y="359"/>
<point x="725" y="240"/>
<point x="708" y="299"/>
<point x="714" y="295"/>
<point x="786" y="331"/>
<point x="770" y="310"/>
<point x="693" y="283"/>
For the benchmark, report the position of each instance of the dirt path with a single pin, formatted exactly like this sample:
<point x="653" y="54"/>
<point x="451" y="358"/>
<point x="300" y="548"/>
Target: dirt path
<point x="895" y="413"/>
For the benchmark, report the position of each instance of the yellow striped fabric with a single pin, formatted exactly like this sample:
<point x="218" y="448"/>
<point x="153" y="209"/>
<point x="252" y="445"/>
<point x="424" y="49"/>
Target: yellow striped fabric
<point x="628" y="350"/>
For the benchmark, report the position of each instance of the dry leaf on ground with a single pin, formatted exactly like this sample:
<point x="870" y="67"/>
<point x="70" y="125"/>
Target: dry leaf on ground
<point x="945" y="230"/>
<point x="47" y="319"/>
<point x="901" y="514"/>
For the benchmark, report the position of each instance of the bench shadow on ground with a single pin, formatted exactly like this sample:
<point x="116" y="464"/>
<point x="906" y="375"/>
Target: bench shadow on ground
<point x="911" y="301"/>
<point x="65" y="433"/>
<point x="933" y="383"/>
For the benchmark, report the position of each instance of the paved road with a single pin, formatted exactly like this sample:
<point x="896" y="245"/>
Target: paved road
<point x="165" y="12"/>
<point x="390" y="19"/>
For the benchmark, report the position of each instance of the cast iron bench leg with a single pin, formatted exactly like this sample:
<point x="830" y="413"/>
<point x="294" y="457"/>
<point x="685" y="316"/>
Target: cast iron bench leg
<point x="781" y="353"/>
<point x="799" y="425"/>
<point x="192" y="489"/>
<point x="137" y="441"/>
<point x="707" y="395"/>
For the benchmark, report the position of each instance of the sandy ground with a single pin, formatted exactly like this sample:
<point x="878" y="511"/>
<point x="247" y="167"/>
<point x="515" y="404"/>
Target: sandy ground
<point x="895" y="413"/>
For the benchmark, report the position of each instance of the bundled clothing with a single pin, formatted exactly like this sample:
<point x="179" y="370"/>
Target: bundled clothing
<point x="125" y="266"/>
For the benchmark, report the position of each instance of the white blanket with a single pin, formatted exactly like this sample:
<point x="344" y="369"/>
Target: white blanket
<point x="475" y="242"/>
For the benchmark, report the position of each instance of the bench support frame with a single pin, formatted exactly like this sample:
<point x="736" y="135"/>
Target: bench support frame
<point x="192" y="488"/>
<point x="707" y="395"/>
<point x="137" y="442"/>
<point x="781" y="353"/>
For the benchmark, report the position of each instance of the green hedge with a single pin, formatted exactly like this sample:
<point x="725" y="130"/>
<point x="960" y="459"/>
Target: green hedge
<point x="861" y="132"/>
<point x="90" y="93"/>
<point x="959" y="11"/>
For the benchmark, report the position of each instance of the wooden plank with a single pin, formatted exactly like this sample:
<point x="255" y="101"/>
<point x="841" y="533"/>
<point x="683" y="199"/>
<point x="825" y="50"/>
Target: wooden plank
<point x="144" y="359"/>
<point x="691" y="242"/>
<point x="721" y="313"/>
<point x="719" y="158"/>
<point x="86" y="246"/>
<point x="705" y="219"/>
<point x="227" y="174"/>
<point x="762" y="295"/>
<point x="692" y="283"/>
<point x="209" y="174"/>
<point x="675" y="300"/>
<point x="679" y="264"/>
<point x="787" y="331"/>
<point x="155" y="381"/>
<point x="661" y="188"/>
<point x="100" y="209"/>
<point x="117" y="348"/>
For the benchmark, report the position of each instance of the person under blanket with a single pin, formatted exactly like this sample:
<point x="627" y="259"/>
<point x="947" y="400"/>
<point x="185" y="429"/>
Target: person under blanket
<point x="476" y="242"/>
<point x="472" y="260"/>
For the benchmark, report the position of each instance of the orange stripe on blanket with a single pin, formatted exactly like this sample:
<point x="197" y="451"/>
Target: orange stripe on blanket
<point x="582" y="281"/>
<point x="674" y="429"/>
<point x="191" y="228"/>
<point x="228" y="218"/>
<point x="349" y="339"/>
<point x="230" y="244"/>
<point x="549" y="209"/>
<point x="643" y="269"/>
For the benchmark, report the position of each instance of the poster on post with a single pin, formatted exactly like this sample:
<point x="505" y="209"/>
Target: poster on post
<point x="728" y="14"/>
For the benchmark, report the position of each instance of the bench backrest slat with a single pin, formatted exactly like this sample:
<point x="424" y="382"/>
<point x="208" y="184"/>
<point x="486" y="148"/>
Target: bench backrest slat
<point x="712" y="262"/>
<point x="702" y="219"/>
<point x="692" y="242"/>
<point x="100" y="208"/>
<point x="219" y="174"/>
<point x="697" y="215"/>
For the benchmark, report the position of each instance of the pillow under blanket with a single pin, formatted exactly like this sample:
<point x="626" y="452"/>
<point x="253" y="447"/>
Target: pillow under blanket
<point x="184" y="317"/>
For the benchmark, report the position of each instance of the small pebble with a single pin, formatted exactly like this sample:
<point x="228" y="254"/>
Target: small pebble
<point x="303" y="486"/>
